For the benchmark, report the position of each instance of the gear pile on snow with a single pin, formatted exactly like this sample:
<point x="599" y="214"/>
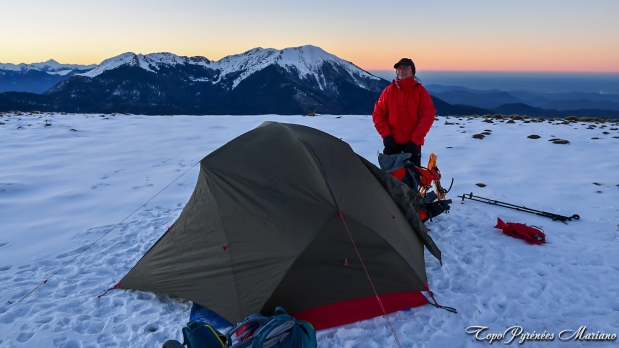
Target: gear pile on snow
<point x="426" y="180"/>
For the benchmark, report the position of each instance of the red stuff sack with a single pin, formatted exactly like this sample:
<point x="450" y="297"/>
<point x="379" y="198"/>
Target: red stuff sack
<point x="530" y="234"/>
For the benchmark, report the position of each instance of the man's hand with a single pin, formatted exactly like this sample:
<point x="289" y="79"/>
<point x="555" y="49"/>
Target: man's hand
<point x="415" y="152"/>
<point x="391" y="147"/>
<point x="388" y="141"/>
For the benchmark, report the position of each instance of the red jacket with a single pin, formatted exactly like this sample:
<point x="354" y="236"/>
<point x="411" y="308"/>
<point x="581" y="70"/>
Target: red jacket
<point x="404" y="110"/>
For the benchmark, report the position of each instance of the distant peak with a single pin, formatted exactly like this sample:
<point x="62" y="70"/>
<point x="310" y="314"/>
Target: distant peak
<point x="50" y="66"/>
<point x="255" y="49"/>
<point x="123" y="55"/>
<point x="309" y="47"/>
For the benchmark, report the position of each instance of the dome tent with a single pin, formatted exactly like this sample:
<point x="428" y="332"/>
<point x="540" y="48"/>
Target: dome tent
<point x="278" y="217"/>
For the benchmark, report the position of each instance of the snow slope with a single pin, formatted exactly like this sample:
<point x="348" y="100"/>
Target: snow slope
<point x="64" y="186"/>
<point x="304" y="61"/>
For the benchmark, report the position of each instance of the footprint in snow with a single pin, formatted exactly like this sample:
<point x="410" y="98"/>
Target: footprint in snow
<point x="137" y="187"/>
<point x="43" y="320"/>
<point x="72" y="344"/>
<point x="24" y="337"/>
<point x="72" y="252"/>
<point x="26" y="269"/>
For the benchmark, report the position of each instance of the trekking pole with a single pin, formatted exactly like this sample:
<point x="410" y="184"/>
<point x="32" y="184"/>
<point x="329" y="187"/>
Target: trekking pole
<point x="554" y="217"/>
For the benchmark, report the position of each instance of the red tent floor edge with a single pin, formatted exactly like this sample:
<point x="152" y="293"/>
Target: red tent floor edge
<point x="350" y="311"/>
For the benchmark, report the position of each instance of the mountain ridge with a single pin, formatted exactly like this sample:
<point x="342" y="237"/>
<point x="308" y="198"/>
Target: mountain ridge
<point x="494" y="98"/>
<point x="304" y="59"/>
<point x="294" y="80"/>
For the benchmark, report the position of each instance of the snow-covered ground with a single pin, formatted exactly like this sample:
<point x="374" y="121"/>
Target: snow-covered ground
<point x="65" y="185"/>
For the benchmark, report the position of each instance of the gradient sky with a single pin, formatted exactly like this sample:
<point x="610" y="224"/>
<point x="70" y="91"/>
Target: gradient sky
<point x="474" y="35"/>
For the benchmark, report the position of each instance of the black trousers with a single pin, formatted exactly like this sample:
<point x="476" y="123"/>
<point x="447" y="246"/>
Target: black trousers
<point x="415" y="157"/>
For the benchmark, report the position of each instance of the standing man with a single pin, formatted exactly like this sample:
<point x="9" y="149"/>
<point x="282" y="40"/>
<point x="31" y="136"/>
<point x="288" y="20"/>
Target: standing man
<point x="404" y="113"/>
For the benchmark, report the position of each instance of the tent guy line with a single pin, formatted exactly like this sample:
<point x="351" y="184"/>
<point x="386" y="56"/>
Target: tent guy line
<point x="105" y="234"/>
<point x="371" y="283"/>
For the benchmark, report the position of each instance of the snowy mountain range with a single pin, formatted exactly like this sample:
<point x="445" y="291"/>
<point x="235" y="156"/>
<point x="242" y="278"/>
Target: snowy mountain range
<point x="305" y="61"/>
<point x="289" y="81"/>
<point x="37" y="77"/>
<point x="51" y="67"/>
<point x="296" y="80"/>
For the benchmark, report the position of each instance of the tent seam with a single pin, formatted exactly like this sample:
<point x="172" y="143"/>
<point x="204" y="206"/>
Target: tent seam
<point x="316" y="164"/>
<point x="322" y="175"/>
<point x="386" y="241"/>
<point x="229" y="250"/>
<point x="296" y="258"/>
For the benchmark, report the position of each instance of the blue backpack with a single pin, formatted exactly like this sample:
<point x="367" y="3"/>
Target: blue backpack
<point x="279" y="331"/>
<point x="198" y="334"/>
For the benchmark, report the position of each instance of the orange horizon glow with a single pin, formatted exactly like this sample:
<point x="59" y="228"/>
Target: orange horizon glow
<point x="549" y="60"/>
<point x="486" y="36"/>
<point x="422" y="62"/>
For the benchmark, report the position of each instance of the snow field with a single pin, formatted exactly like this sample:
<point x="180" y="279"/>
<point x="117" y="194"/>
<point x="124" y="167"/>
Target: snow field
<point x="60" y="190"/>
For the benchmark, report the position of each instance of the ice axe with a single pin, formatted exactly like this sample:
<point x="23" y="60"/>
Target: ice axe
<point x="554" y="217"/>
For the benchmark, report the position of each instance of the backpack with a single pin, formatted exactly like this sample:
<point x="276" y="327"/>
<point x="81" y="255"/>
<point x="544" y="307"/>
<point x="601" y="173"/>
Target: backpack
<point x="278" y="331"/>
<point x="433" y="206"/>
<point x="198" y="334"/>
<point x="422" y="179"/>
